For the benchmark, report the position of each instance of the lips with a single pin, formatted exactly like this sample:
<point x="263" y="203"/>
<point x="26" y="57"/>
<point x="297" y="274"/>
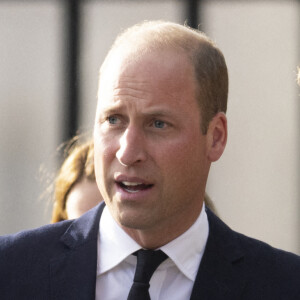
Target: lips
<point x="133" y="187"/>
<point x="132" y="184"/>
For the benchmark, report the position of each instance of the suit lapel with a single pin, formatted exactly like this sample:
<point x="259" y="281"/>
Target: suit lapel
<point x="219" y="274"/>
<point x="73" y="270"/>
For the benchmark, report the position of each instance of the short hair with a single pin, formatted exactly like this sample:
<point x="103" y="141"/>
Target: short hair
<point x="210" y="68"/>
<point x="78" y="165"/>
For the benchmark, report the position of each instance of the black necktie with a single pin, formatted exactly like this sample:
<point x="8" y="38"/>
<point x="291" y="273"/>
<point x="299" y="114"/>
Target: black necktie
<point x="147" y="262"/>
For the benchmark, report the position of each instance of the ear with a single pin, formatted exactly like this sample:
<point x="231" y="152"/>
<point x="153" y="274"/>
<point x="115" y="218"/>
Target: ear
<point x="216" y="137"/>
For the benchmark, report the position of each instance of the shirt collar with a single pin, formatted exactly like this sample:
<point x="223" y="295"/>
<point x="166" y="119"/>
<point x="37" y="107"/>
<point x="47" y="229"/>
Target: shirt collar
<point x="115" y="243"/>
<point x="185" y="251"/>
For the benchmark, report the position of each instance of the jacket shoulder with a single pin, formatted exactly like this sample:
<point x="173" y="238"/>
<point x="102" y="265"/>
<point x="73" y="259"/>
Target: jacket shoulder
<point x="32" y="262"/>
<point x="29" y="241"/>
<point x="249" y="246"/>
<point x="267" y="271"/>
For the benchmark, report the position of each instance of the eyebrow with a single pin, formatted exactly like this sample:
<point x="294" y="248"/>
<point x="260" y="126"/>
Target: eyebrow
<point x="110" y="109"/>
<point x="156" y="111"/>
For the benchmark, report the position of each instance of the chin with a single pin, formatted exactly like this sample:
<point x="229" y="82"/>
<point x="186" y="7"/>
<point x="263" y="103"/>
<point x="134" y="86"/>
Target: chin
<point x="131" y="223"/>
<point x="132" y="218"/>
<point x="134" y="222"/>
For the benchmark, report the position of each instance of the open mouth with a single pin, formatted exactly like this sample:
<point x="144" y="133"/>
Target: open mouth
<point x="133" y="187"/>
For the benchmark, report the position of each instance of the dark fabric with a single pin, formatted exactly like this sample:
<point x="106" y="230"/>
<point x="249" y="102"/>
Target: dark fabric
<point x="56" y="261"/>
<point x="59" y="261"/>
<point x="147" y="263"/>
<point x="235" y="266"/>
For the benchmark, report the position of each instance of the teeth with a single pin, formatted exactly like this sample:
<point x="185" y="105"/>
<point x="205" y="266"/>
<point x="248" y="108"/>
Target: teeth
<point x="130" y="183"/>
<point x="132" y="191"/>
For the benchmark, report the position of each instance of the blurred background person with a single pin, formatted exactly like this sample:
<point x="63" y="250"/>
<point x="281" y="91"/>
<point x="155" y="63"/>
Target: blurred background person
<point x="75" y="189"/>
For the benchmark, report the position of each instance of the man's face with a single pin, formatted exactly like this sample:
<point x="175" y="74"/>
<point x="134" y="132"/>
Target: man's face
<point x="150" y="155"/>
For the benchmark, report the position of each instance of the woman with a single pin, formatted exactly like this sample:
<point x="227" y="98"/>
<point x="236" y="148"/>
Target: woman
<point x="75" y="188"/>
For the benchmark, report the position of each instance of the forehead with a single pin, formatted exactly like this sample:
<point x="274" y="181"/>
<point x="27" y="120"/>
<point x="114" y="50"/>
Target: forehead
<point x="152" y="76"/>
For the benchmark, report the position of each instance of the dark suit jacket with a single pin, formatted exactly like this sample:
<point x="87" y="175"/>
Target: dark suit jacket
<point x="59" y="261"/>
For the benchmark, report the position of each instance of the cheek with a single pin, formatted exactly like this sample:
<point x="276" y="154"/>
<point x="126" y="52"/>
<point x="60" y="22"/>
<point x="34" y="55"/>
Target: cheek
<point x="105" y="148"/>
<point x="99" y="161"/>
<point x="183" y="163"/>
<point x="104" y="155"/>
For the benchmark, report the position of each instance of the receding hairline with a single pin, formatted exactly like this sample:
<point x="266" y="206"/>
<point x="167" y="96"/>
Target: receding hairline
<point x="151" y="36"/>
<point x="206" y="59"/>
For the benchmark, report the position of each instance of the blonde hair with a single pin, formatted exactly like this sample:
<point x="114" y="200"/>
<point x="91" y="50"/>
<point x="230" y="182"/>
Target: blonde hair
<point x="210" y="69"/>
<point x="79" y="164"/>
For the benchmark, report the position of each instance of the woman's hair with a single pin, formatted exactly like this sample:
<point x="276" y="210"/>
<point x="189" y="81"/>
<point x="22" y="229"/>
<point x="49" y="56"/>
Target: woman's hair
<point x="78" y="165"/>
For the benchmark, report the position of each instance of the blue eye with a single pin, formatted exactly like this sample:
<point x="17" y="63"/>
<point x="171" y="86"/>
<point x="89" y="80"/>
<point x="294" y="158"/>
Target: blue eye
<point x="112" y="120"/>
<point x="159" y="124"/>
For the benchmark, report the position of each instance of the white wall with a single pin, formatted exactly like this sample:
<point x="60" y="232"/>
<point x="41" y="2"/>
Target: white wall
<point x="256" y="184"/>
<point x="30" y="59"/>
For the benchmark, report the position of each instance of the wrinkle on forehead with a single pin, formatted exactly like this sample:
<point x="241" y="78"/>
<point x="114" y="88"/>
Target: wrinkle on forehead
<point x="137" y="79"/>
<point x="131" y="86"/>
<point x="128" y="89"/>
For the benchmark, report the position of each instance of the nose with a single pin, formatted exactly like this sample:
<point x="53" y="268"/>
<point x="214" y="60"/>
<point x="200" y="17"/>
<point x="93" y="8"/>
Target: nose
<point x="132" y="148"/>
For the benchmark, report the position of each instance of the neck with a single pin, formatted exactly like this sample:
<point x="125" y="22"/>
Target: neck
<point x="155" y="238"/>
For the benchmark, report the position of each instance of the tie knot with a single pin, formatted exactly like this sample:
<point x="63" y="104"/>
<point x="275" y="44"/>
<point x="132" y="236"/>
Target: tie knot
<point x="147" y="263"/>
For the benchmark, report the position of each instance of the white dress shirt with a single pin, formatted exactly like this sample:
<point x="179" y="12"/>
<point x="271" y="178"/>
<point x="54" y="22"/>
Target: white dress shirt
<point x="173" y="279"/>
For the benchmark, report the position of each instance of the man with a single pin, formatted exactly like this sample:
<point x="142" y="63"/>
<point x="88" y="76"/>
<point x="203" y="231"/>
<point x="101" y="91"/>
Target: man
<point x="160" y="123"/>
